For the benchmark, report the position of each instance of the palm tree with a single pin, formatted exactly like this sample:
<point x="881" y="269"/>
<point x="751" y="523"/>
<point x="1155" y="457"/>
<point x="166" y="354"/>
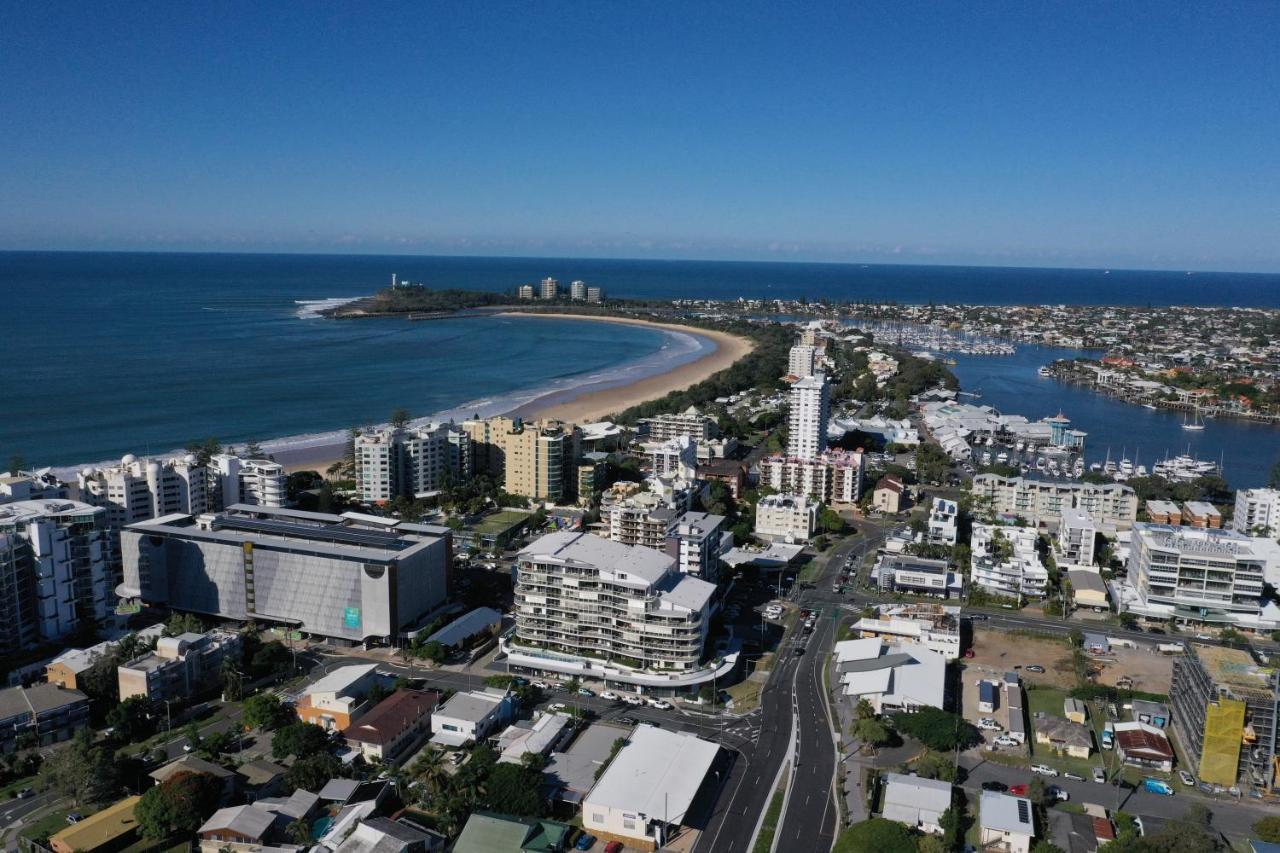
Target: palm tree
<point x="299" y="831"/>
<point x="430" y="770"/>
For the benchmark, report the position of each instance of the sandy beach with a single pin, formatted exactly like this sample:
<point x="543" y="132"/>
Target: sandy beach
<point x="578" y="405"/>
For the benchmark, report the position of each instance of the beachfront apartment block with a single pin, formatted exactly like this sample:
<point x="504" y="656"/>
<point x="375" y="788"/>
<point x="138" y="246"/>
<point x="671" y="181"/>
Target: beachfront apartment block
<point x="142" y="488"/>
<point x="41" y="485"/>
<point x="537" y="460"/>
<point x="697" y="543"/>
<point x="259" y="482"/>
<point x="548" y="288"/>
<point x="676" y="457"/>
<point x="592" y="607"/>
<point x="350" y="577"/>
<point x="58" y="570"/>
<point x="807" y="419"/>
<point x="410" y="462"/>
<point x="1077" y="537"/>
<point x="179" y="667"/>
<point x="802" y="360"/>
<point x="643" y="518"/>
<point x="1202" y="575"/>
<point x="578" y="291"/>
<point x="525" y="291"/>
<point x="1042" y="502"/>
<point x="1257" y="512"/>
<point x="836" y="476"/>
<point x="1005" y="561"/>
<point x="595" y="294"/>
<point x="691" y="422"/>
<point x="786" y="518"/>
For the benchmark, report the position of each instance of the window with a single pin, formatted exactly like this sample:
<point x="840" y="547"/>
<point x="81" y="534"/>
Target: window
<point x="597" y="817"/>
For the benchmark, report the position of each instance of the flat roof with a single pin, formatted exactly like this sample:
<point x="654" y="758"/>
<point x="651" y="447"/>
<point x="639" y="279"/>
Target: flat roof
<point x="657" y="774"/>
<point x="99" y="829"/>
<point x="341" y="679"/>
<point x="472" y="707"/>
<point x="1005" y="813"/>
<point x="466" y="625"/>
<point x="644" y="563"/>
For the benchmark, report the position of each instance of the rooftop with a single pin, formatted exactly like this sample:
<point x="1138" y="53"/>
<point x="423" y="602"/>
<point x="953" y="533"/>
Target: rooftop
<point x="489" y="832"/>
<point x="99" y="829"/>
<point x="657" y="774"/>
<point x="341" y="680"/>
<point x="466" y="625"/>
<point x="1006" y="813"/>
<point x="390" y="717"/>
<point x="471" y="706"/>
<point x="190" y="764"/>
<point x="585" y="549"/>
<point x="242" y="820"/>
<point x="36" y="699"/>
<point x="913" y="800"/>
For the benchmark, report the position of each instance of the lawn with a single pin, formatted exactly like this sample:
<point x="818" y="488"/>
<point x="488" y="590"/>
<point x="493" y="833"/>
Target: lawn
<point x="746" y="695"/>
<point x="50" y="823"/>
<point x="764" y="841"/>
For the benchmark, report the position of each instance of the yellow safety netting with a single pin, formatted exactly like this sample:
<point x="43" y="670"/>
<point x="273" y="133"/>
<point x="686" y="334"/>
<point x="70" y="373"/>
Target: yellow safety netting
<point x="1223" y="730"/>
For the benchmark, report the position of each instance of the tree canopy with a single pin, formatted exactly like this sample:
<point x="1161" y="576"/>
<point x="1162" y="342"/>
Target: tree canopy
<point x="178" y="804"/>
<point x="937" y="729"/>
<point x="876" y="835"/>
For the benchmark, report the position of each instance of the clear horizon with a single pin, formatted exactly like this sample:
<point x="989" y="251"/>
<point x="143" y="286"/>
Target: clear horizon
<point x="1080" y="136"/>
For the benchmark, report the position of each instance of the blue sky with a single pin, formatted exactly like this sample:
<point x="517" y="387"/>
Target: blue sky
<point x="1055" y="134"/>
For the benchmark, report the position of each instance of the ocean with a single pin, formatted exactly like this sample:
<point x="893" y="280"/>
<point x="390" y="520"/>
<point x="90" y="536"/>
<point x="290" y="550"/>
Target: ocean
<point x="113" y="353"/>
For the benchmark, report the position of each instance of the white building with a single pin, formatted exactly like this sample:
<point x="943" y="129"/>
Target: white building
<point x="595" y="294"/>
<point x="942" y="521"/>
<point x="1043" y="501"/>
<point x="539" y="736"/>
<point x="591" y="607"/>
<point x="690" y="422"/>
<point x="140" y="489"/>
<point x="470" y="716"/>
<point x="932" y="626"/>
<point x="1077" y="537"/>
<point x="892" y="677"/>
<point x="786" y="518"/>
<point x="677" y="457"/>
<point x="916" y="575"/>
<point x="1199" y="575"/>
<point x="57" y="568"/>
<point x="1005" y="823"/>
<point x="31" y="486"/>
<point x="260" y="482"/>
<point x="834" y="477"/>
<point x="1006" y="562"/>
<point x="179" y="667"/>
<point x="643" y="518"/>
<point x="549" y="288"/>
<point x="807" y="420"/>
<point x="339" y="698"/>
<point x="648" y="788"/>
<point x="1257" y="512"/>
<point x="411" y="462"/>
<point x="915" y="801"/>
<point x="697" y="543"/>
<point x="578" y="291"/>
<point x="801" y="360"/>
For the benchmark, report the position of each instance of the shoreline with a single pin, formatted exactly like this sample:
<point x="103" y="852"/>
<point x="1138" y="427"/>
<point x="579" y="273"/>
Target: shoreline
<point x="590" y="401"/>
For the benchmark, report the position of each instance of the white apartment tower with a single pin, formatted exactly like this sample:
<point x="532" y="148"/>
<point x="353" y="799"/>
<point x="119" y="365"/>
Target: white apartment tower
<point x="259" y="482"/>
<point x="677" y="458"/>
<point x="810" y="410"/>
<point x="595" y="294"/>
<point x="549" y="288"/>
<point x="1257" y="512"/>
<point x="802" y="360"/>
<point x="139" y="489"/>
<point x="394" y="462"/>
<point x="578" y="291"/>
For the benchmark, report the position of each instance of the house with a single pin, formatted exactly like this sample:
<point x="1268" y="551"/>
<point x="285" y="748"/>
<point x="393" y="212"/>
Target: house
<point x="917" y="802"/>
<point x="196" y="764"/>
<point x="901" y="676"/>
<point x="236" y="828"/>
<point x="1005" y="823"/>
<point x="1088" y="587"/>
<point x="538" y="736"/>
<point x="260" y="778"/>
<point x="1063" y="736"/>
<point x="646" y="791"/>
<point x="470" y="716"/>
<point x="1075" y="710"/>
<point x="395" y="725"/>
<point x="383" y="835"/>
<point x="338" y="699"/>
<point x="1152" y="713"/>
<point x="111" y="829"/>
<point x="889" y="495"/>
<point x="1143" y="745"/>
<point x="1011" y="691"/>
<point x="489" y="832"/>
<point x="46" y="711"/>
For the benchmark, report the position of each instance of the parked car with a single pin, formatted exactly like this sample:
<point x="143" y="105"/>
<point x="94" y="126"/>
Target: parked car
<point x="613" y="847"/>
<point x="968" y="653"/>
<point x="798" y="651"/>
<point x="988" y="724"/>
<point x="1057" y="793"/>
<point x="75" y="817"/>
<point x="994" y="786"/>
<point x="26" y="792"/>
<point x="1005" y="740"/>
<point x="1043" y="770"/>
<point x="582" y="691"/>
<point x="660" y="704"/>
<point x="538" y="683"/>
<point x="557" y="707"/>
<point x="610" y="695"/>
<point x="632" y="700"/>
<point x="586" y="842"/>
<point x="1073" y="777"/>
<point x="1035" y="667"/>
<point x="1018" y="790"/>
<point x="1187" y="778"/>
<point x="456" y="758"/>
<point x="1099" y="776"/>
<point x="1155" y="786"/>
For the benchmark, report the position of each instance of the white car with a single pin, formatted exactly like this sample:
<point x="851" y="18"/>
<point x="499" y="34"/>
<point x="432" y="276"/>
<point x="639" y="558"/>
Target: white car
<point x="610" y="695"/>
<point x="632" y="700"/>
<point x="660" y="704"/>
<point x="1005" y="740"/>
<point x="988" y="724"/>
<point x="557" y="707"/>
<point x="1043" y="770"/>
<point x="538" y="683"/>
<point x="1187" y="778"/>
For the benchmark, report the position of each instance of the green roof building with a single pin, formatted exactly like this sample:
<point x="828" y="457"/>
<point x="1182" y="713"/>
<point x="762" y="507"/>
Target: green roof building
<point x="489" y="832"/>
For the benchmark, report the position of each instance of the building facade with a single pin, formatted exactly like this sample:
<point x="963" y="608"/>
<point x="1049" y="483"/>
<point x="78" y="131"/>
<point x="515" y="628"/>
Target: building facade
<point x="179" y="667"/>
<point x="1005" y="561"/>
<point x="45" y="711"/>
<point x="807" y="419"/>
<point x="1257" y="512"/>
<point x="786" y="518"/>
<point x="325" y="574"/>
<point x="538" y="460"/>
<point x="1042" y="502"/>
<point x="394" y="463"/>
<point x="139" y="489"/>
<point x="690" y="422"/>
<point x="836" y="476"/>
<point x="260" y="482"/>
<point x="801" y="361"/>
<point x="1077" y="537"/>
<point x="697" y="543"/>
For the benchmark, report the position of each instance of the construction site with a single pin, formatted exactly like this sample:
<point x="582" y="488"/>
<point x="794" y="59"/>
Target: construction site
<point x="1225" y="710"/>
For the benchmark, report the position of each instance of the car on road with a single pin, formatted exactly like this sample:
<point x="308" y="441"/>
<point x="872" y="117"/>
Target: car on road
<point x="1155" y="786"/>
<point x="629" y="721"/>
<point x="1057" y="793"/>
<point x="1187" y="778"/>
<point x="994" y="786"/>
<point x="1203" y="637"/>
<point x="583" y="691"/>
<point x="557" y="707"/>
<point x="538" y="683"/>
<point x="632" y="700"/>
<point x="75" y="817"/>
<point x="1018" y="790"/>
<point x="1043" y="770"/>
<point x="978" y="617"/>
<point x="1035" y="667"/>
<point x="1005" y="740"/>
<point x="798" y="651"/>
<point x="660" y="704"/>
<point x="1099" y="776"/>
<point x="610" y="695"/>
<point x="585" y="842"/>
<point x="25" y="792"/>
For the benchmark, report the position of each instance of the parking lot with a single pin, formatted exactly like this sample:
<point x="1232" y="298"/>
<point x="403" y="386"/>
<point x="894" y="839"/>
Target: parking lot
<point x="998" y="652"/>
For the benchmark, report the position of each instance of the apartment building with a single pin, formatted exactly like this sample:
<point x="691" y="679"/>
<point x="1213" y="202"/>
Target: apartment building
<point x="394" y="726"/>
<point x="1201" y="514"/>
<point x="179" y="667"/>
<point x="595" y="295"/>
<point x="802" y="360"/>
<point x="836" y="476"/>
<point x="348" y="577"/>
<point x="48" y="712"/>
<point x="138" y="489"/>
<point x="586" y="605"/>
<point x="578" y="291"/>
<point x="1005" y="561"/>
<point x="1201" y="575"/>
<point x="676" y="457"/>
<point x="471" y="716"/>
<point x="1077" y="537"/>
<point x="232" y="480"/>
<point x="525" y="291"/>
<point x="1164" y="512"/>
<point x="942" y="521"/>
<point x="1042" y="502"/>
<point x="548" y="288"/>
<point x="807" y="419"/>
<point x="537" y="460"/>
<point x="410" y="462"/>
<point x="66" y="669"/>
<point x="643" y="518"/>
<point x="58" y="566"/>
<point x="690" y="422"/>
<point x="917" y="576"/>
<point x="786" y="518"/>
<point x="339" y="698"/>
<point x="31" y="486"/>
<point x="1257" y="512"/>
<point x="697" y="543"/>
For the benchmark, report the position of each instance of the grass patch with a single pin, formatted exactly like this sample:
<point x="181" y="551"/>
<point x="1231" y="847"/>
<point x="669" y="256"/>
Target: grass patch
<point x="49" y="824"/>
<point x="764" y="841"/>
<point x="746" y="695"/>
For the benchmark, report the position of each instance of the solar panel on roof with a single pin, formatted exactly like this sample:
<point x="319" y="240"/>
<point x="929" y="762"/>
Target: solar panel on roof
<point x="369" y="538"/>
<point x="1024" y="813"/>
